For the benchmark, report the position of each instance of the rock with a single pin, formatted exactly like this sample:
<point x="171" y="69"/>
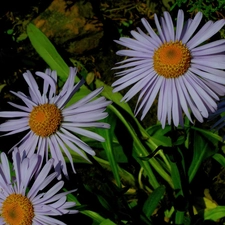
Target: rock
<point x="74" y="28"/>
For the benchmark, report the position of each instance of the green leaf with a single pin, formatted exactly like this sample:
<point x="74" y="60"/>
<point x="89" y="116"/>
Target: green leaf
<point x="47" y="51"/>
<point x="213" y="137"/>
<point x="157" y="136"/>
<point x="115" y="97"/>
<point x="107" y="222"/>
<point x="220" y="159"/>
<point x="215" y="213"/>
<point x="157" y="130"/>
<point x="161" y="140"/>
<point x="176" y="177"/>
<point x="139" y="151"/>
<point x="104" y="202"/>
<point x="119" y="154"/>
<point x="153" y="200"/>
<point x="107" y="145"/>
<point x="93" y="215"/>
<point x="201" y="152"/>
<point x="180" y="140"/>
<point x="127" y="177"/>
<point x="2" y="86"/>
<point x="10" y="31"/>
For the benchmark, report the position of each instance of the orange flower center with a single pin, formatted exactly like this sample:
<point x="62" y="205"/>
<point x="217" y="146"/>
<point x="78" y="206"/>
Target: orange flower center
<point x="17" y="210"/>
<point x="172" y="59"/>
<point x="45" y="119"/>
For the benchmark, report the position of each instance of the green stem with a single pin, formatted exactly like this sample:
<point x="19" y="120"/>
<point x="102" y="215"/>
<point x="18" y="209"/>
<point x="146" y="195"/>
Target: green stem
<point x="140" y="151"/>
<point x="153" y="146"/>
<point x="151" y="143"/>
<point x="155" y="164"/>
<point x="179" y="217"/>
<point x="139" y="178"/>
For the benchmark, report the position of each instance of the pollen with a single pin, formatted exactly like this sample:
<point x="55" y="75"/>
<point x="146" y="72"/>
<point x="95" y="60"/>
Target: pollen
<point x="45" y="119"/>
<point x="17" y="210"/>
<point x="172" y="59"/>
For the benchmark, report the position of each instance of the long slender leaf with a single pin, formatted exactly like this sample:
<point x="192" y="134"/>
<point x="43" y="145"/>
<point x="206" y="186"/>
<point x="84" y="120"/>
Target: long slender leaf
<point x="153" y="200"/>
<point x="213" y="137"/>
<point x="47" y="51"/>
<point x="107" y="222"/>
<point x="107" y="145"/>
<point x="201" y="152"/>
<point x="91" y="214"/>
<point x="219" y="158"/>
<point x="215" y="213"/>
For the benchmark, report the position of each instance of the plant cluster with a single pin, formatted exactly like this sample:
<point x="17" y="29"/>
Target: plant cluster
<point x="146" y="175"/>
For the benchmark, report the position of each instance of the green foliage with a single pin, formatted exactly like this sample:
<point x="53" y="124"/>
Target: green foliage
<point x="107" y="145"/>
<point x="210" y="8"/>
<point x="153" y="163"/>
<point x="215" y="213"/>
<point x="202" y="151"/>
<point x="47" y="51"/>
<point x="153" y="201"/>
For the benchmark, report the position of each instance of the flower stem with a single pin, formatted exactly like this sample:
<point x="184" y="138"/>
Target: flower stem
<point x="140" y="151"/>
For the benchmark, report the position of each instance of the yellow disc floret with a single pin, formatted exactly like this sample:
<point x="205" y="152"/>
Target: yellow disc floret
<point x="17" y="210"/>
<point x="172" y="59"/>
<point x="45" y="119"/>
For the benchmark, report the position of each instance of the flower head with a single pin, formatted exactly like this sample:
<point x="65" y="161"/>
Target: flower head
<point x="23" y="203"/>
<point x="175" y="65"/>
<point x="50" y="124"/>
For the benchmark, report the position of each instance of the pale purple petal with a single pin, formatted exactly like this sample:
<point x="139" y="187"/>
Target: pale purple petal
<point x="23" y="108"/>
<point x="152" y="33"/>
<point x="169" y="24"/>
<point x="87" y="133"/>
<point x="30" y="104"/>
<point x="63" y="147"/>
<point x="210" y="48"/>
<point x="161" y="34"/>
<point x="33" y="86"/>
<point x="214" y="61"/>
<point x="45" y="204"/>
<point x="71" y="145"/>
<point x="14" y="125"/>
<point x="48" y="81"/>
<point x="84" y="113"/>
<point x="56" y="154"/>
<point x="192" y="27"/>
<point x="10" y="114"/>
<point x="207" y="31"/>
<point x="151" y="40"/>
<point x="180" y="23"/>
<point x="165" y="29"/>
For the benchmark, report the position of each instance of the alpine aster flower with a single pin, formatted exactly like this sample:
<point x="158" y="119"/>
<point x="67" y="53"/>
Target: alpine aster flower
<point x="50" y="124"/>
<point x="174" y="64"/>
<point x="23" y="203"/>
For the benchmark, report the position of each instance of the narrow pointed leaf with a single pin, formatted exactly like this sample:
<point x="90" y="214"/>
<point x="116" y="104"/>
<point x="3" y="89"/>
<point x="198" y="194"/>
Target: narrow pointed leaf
<point x="153" y="200"/>
<point x="47" y="51"/>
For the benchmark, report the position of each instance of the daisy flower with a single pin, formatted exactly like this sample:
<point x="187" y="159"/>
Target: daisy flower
<point x="174" y="65"/>
<point x="21" y="203"/>
<point x="50" y="124"/>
